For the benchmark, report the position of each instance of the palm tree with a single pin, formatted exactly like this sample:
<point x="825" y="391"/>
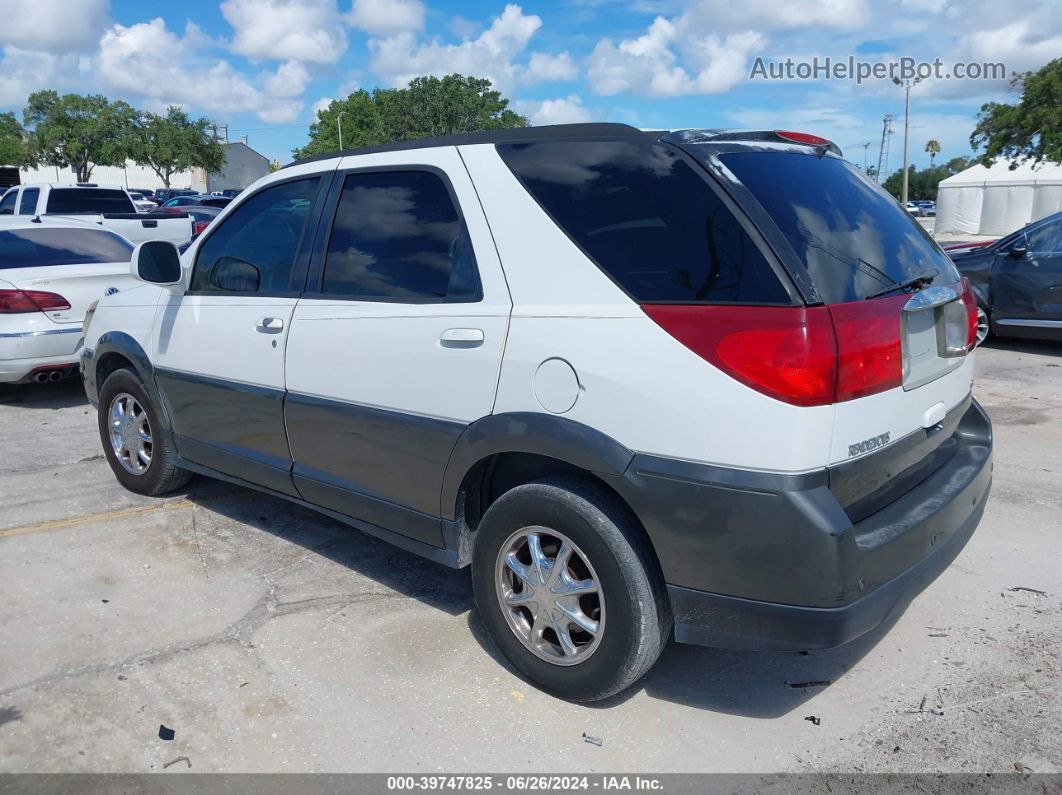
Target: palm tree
<point x="933" y="147"/>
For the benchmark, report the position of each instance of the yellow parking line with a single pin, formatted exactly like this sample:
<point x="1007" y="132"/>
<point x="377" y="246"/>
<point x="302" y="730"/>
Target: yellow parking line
<point x="58" y="524"/>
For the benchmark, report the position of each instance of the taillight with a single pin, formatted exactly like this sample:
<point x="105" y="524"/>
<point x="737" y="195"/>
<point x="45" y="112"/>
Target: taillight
<point x="805" y="356"/>
<point x="14" y="302"/>
<point x="970" y="300"/>
<point x="199" y="226"/>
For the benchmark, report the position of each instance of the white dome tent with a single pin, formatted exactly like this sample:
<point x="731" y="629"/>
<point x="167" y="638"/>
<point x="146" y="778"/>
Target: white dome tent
<point x="997" y="200"/>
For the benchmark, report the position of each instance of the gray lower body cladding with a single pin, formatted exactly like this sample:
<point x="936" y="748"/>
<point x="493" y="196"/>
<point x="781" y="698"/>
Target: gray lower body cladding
<point x="762" y="561"/>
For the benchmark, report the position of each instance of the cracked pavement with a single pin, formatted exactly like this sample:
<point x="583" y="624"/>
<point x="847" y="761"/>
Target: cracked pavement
<point x="271" y="638"/>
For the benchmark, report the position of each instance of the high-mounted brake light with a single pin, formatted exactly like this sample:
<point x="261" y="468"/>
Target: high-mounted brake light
<point x="13" y="302"/>
<point x="805" y="356"/>
<point x="802" y="138"/>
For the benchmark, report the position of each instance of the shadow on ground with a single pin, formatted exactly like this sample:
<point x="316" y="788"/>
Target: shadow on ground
<point x="1016" y="345"/>
<point x="750" y="684"/>
<point x="61" y="395"/>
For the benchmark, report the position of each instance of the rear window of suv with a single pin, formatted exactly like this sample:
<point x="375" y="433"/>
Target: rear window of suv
<point x="89" y="200"/>
<point x="853" y="237"/>
<point x="648" y="219"/>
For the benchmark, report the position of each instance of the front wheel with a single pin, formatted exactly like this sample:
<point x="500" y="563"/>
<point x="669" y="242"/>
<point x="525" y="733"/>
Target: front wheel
<point x="141" y="456"/>
<point x="568" y="588"/>
<point x="984" y="328"/>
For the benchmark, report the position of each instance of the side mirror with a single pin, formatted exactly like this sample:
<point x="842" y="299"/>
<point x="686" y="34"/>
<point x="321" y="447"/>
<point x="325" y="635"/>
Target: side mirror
<point x="158" y="262"/>
<point x="234" y="276"/>
<point x="1018" y="252"/>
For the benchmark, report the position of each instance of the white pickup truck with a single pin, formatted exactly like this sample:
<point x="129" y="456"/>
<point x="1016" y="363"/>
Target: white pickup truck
<point x="107" y="205"/>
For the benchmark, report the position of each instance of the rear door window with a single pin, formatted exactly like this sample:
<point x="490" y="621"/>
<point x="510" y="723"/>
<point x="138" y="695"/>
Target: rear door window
<point x="853" y="237"/>
<point x="27" y="203"/>
<point x="89" y="200"/>
<point x="648" y="219"/>
<point x="398" y="237"/>
<point x="40" y="246"/>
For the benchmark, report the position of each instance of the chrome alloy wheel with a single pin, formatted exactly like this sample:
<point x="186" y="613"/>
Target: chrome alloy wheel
<point x="130" y="433"/>
<point x="982" y="326"/>
<point x="550" y="595"/>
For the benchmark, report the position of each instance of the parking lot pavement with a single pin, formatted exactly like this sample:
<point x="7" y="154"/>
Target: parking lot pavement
<point x="273" y="639"/>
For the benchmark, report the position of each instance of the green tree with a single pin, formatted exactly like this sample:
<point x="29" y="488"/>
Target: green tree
<point x="427" y="106"/>
<point x="13" y="151"/>
<point x="933" y="147"/>
<point x="923" y="184"/>
<point x="78" y="131"/>
<point x="174" y="142"/>
<point x="1030" y="129"/>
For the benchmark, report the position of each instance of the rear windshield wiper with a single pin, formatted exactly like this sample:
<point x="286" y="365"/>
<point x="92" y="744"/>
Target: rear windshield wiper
<point x="924" y="280"/>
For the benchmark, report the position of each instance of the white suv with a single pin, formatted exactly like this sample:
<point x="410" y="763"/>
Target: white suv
<point x="703" y="381"/>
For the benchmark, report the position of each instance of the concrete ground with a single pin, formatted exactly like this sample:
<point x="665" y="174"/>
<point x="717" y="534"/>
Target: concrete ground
<point x="270" y="638"/>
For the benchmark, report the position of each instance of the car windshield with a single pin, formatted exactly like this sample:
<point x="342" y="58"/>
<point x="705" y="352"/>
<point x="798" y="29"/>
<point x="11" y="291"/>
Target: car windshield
<point x="41" y="246"/>
<point x="852" y="236"/>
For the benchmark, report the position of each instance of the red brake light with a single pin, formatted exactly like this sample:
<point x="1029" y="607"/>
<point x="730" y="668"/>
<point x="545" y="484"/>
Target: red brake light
<point x="805" y="356"/>
<point x="970" y="300"/>
<point x="802" y="138"/>
<point x="19" y="301"/>
<point x="199" y="226"/>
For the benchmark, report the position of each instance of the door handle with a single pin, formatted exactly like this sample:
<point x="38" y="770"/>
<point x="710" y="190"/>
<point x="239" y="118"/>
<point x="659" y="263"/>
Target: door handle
<point x="270" y="325"/>
<point x="461" y="338"/>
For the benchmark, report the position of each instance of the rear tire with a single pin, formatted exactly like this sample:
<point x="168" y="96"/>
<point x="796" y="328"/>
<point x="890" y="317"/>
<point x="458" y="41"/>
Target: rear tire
<point x="596" y="642"/>
<point x="984" y="325"/>
<point x="141" y="455"/>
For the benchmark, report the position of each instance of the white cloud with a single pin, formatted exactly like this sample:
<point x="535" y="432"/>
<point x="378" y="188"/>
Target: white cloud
<point x="128" y="61"/>
<point x="289" y="80"/>
<point x="565" y="110"/>
<point x="322" y="104"/>
<point x="24" y="71"/>
<point x="545" y="67"/>
<point x="671" y="60"/>
<point x="399" y="58"/>
<point x="301" y="30"/>
<point x="387" y="16"/>
<point x="716" y="15"/>
<point x="53" y="25"/>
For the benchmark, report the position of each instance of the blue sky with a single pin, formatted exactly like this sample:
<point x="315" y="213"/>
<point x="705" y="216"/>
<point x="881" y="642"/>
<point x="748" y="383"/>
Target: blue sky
<point x="263" y="66"/>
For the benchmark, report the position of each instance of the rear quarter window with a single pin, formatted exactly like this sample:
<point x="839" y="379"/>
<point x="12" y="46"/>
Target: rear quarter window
<point x="648" y="219"/>
<point x="853" y="237"/>
<point x="34" y="248"/>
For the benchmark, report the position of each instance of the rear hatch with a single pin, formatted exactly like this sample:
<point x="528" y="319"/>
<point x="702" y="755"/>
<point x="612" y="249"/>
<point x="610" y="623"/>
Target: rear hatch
<point x="889" y="290"/>
<point x="63" y="269"/>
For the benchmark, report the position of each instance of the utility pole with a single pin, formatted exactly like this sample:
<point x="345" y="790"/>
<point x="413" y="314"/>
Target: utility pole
<point x="866" y="146"/>
<point x="906" y="127"/>
<point x="883" y="153"/>
<point x="339" y="123"/>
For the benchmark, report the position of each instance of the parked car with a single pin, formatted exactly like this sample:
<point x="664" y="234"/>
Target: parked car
<point x="162" y="195"/>
<point x="929" y="208"/>
<point x="201" y="216"/>
<point x="1017" y="280"/>
<point x="643" y="383"/>
<point x="914" y="208"/>
<point x="196" y="199"/>
<point x="51" y="270"/>
<point x="141" y="202"/>
<point x="148" y="193"/>
<point x="107" y="205"/>
<point x="232" y="193"/>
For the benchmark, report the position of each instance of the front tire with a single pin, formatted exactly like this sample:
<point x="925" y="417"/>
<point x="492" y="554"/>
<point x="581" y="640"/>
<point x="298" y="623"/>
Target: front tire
<point x="984" y="326"/>
<point x="140" y="454"/>
<point x="569" y="589"/>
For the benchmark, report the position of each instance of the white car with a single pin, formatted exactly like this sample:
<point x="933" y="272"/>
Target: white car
<point x="107" y="205"/>
<point x="142" y="204"/>
<point x="646" y="384"/>
<point x="51" y="271"/>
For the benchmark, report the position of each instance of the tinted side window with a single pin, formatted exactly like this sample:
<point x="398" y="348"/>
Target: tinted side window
<point x="42" y="245"/>
<point x="89" y="200"/>
<point x="397" y="236"/>
<point x="648" y="219"/>
<point x="7" y="204"/>
<point x="27" y="204"/>
<point x="1046" y="239"/>
<point x="264" y="233"/>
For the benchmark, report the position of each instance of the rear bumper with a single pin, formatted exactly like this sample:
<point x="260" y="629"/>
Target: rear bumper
<point x="23" y="352"/>
<point x="792" y="562"/>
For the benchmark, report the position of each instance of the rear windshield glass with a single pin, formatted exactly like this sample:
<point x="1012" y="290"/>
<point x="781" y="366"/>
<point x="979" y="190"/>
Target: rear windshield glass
<point x="88" y="200"/>
<point x="854" y="238"/>
<point x="648" y="219"/>
<point x="32" y="248"/>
